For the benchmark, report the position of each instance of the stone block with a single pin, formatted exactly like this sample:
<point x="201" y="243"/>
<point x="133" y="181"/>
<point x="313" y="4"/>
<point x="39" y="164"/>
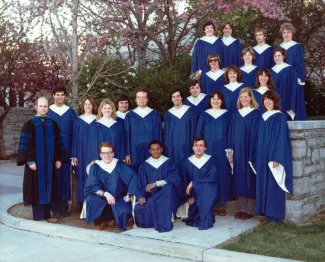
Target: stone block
<point x="308" y="209"/>
<point x="315" y="155"/>
<point x="301" y="186"/>
<point x="294" y="208"/>
<point x="315" y="178"/>
<point x="310" y="169"/>
<point x="299" y="148"/>
<point x="311" y="142"/>
<point x="297" y="134"/>
<point x="298" y="169"/>
<point x="321" y="166"/>
<point x="322" y="152"/>
<point x="320" y="186"/>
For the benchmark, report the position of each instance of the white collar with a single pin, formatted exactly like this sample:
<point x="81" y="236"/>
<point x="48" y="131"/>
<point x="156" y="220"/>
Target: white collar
<point x="267" y="114"/>
<point x="215" y="75"/>
<point x="199" y="162"/>
<point x="106" y="122"/>
<point x="248" y="69"/>
<point x="87" y="118"/>
<point x="261" y="49"/>
<point x="156" y="163"/>
<point x="233" y="86"/>
<point x="196" y="100"/>
<point x="278" y="68"/>
<point x="209" y="39"/>
<point x="60" y="110"/>
<point x="245" y="111"/>
<point x="215" y="113"/>
<point x="287" y="45"/>
<point x="121" y="114"/>
<point x="228" y="40"/>
<point x="179" y="112"/>
<point x="261" y="90"/>
<point x="143" y="112"/>
<point x="107" y="167"/>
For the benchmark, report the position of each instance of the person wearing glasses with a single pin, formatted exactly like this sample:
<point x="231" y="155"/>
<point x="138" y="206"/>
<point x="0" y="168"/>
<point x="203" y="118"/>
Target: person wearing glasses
<point x="214" y="79"/>
<point x="108" y="189"/>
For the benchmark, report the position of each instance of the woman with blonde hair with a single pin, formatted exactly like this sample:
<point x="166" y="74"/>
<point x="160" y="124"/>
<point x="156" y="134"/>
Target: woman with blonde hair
<point x="242" y="133"/>
<point x="106" y="129"/>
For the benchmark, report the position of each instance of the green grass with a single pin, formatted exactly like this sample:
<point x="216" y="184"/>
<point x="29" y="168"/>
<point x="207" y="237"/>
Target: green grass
<point x="306" y="243"/>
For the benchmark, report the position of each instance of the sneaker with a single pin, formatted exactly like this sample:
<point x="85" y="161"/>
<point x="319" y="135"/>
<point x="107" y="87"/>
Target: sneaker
<point x="245" y="216"/>
<point x="238" y="215"/>
<point x="52" y="220"/>
<point x="56" y="215"/>
<point x="222" y="212"/>
<point x="65" y="213"/>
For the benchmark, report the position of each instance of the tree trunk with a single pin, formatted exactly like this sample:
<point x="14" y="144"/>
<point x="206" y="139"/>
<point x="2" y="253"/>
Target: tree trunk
<point x="142" y="53"/>
<point x="2" y="141"/>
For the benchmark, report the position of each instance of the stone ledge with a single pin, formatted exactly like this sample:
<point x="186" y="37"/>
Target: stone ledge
<point x="306" y="124"/>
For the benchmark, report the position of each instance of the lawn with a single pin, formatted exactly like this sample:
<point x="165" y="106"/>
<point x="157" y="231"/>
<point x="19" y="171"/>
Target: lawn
<point x="306" y="243"/>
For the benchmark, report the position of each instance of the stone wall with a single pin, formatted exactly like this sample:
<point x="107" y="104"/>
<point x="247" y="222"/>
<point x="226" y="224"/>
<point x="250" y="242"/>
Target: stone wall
<point x="13" y="124"/>
<point x="308" y="152"/>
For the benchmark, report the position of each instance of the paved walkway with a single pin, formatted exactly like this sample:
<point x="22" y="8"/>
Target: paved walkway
<point x="78" y="244"/>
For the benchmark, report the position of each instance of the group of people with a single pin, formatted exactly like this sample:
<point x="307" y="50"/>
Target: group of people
<point x="227" y="139"/>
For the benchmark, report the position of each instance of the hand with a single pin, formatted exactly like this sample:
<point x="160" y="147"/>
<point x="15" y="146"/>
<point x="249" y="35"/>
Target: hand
<point x="189" y="188"/>
<point x="58" y="164"/>
<point x="275" y="164"/>
<point x="230" y="157"/>
<point x="142" y="201"/>
<point x="128" y="160"/>
<point x="110" y="199"/>
<point x="75" y="161"/>
<point x="150" y="186"/>
<point x="191" y="200"/>
<point x="33" y="167"/>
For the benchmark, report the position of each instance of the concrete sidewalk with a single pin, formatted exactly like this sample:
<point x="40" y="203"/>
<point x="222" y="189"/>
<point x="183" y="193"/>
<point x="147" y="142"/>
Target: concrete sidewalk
<point x="182" y="242"/>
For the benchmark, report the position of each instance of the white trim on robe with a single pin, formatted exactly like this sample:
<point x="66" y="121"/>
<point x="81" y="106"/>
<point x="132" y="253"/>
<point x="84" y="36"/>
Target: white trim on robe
<point x="228" y="40"/>
<point x="215" y="113"/>
<point x="196" y="100"/>
<point x="107" y="167"/>
<point x="278" y="68"/>
<point x="287" y="45"/>
<point x="248" y="69"/>
<point x="179" y="112"/>
<point x="215" y="75"/>
<point x="233" y="86"/>
<point x="60" y="110"/>
<point x="267" y="114"/>
<point x="121" y="114"/>
<point x="156" y="163"/>
<point x="143" y="112"/>
<point x="108" y="122"/>
<point x="279" y="175"/>
<point x="261" y="49"/>
<point x="87" y="118"/>
<point x="209" y="39"/>
<point x="261" y="89"/>
<point x="199" y="162"/>
<point x="245" y="111"/>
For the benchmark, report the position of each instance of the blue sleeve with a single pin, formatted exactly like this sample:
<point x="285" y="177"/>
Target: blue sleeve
<point x="128" y="133"/>
<point x="166" y="131"/>
<point x="200" y="126"/>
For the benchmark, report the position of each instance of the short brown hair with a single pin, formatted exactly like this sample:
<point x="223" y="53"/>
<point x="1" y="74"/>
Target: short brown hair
<point x="274" y="96"/>
<point x="236" y="70"/>
<point x="250" y="50"/>
<point x="259" y="29"/>
<point x="270" y="84"/>
<point x="105" y="144"/>
<point x="214" y="56"/>
<point x="120" y="98"/>
<point x="230" y="24"/>
<point x="220" y="96"/>
<point x="249" y="91"/>
<point x="197" y="139"/>
<point x="282" y="51"/>
<point x="141" y="89"/>
<point x="192" y="82"/>
<point x="92" y="101"/>
<point x="207" y="23"/>
<point x="106" y="101"/>
<point x="287" y="26"/>
<point x="175" y="91"/>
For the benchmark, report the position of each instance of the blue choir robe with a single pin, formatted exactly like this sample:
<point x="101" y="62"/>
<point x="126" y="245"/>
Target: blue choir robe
<point x="231" y="93"/>
<point x="263" y="56"/>
<point x="258" y="94"/>
<point x="116" y="178"/>
<point x="242" y="133"/>
<point x="163" y="200"/>
<point x="120" y="117"/>
<point x="230" y="52"/>
<point x="285" y="80"/>
<point x="199" y="104"/>
<point x="249" y="74"/>
<point x="65" y="117"/>
<point x="80" y="150"/>
<point x="212" y="81"/>
<point x="106" y="130"/>
<point x="179" y="132"/>
<point x="213" y="126"/>
<point x="203" y="173"/>
<point x="295" y="57"/>
<point x="142" y="126"/>
<point x="204" y="47"/>
<point x="273" y="144"/>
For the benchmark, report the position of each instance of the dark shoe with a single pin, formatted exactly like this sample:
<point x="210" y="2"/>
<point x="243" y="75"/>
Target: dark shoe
<point x="246" y="216"/>
<point x="56" y="215"/>
<point x="238" y="215"/>
<point x="101" y="226"/>
<point x="222" y="212"/>
<point x="216" y="211"/>
<point x="65" y="213"/>
<point x="52" y="220"/>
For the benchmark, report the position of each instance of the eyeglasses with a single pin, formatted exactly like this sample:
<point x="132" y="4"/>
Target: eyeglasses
<point x="107" y="153"/>
<point x="213" y="60"/>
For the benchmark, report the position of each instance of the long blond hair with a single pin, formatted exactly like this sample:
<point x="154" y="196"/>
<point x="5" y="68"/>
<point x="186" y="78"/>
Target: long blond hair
<point x="249" y="91"/>
<point x="106" y="101"/>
